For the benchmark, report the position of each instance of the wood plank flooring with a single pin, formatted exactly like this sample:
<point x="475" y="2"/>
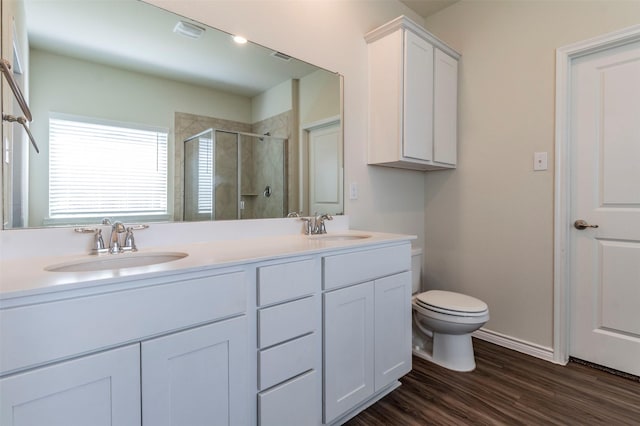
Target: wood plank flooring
<point x="507" y="388"/>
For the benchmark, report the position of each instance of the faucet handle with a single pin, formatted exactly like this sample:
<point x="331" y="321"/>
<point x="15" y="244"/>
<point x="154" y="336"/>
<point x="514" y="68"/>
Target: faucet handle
<point x="98" y="241"/>
<point x="138" y="227"/>
<point x="98" y="244"/>
<point x="308" y="225"/>
<point x="129" y="241"/>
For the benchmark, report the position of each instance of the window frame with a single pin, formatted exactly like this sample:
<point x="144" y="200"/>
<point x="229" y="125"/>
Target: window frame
<point x="132" y="216"/>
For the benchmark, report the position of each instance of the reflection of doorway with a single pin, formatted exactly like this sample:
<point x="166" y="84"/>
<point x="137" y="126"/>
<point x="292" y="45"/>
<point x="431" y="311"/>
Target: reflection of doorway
<point x="324" y="180"/>
<point x="597" y="270"/>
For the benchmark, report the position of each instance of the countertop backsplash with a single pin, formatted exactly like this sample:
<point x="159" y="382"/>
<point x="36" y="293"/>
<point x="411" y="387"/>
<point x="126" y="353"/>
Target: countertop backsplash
<point x="24" y="243"/>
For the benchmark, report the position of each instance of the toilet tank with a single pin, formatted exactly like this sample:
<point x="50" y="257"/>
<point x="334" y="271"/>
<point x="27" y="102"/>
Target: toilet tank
<point x="416" y="270"/>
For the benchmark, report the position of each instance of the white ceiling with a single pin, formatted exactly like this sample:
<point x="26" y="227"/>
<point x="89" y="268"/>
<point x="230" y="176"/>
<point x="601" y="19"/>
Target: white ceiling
<point x="426" y="8"/>
<point x="137" y="36"/>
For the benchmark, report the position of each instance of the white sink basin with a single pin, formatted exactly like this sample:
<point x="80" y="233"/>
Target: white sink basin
<point x="340" y="237"/>
<point x="116" y="261"/>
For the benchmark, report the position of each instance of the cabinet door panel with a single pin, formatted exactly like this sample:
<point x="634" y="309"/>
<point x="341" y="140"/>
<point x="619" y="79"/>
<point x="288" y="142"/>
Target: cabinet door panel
<point x="96" y="390"/>
<point x="196" y="377"/>
<point x="418" y="96"/>
<point x="446" y="108"/>
<point x="349" y="346"/>
<point x="392" y="328"/>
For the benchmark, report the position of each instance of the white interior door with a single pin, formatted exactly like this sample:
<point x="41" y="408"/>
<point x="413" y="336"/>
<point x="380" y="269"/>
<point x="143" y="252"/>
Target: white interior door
<point x="325" y="170"/>
<point x="605" y="188"/>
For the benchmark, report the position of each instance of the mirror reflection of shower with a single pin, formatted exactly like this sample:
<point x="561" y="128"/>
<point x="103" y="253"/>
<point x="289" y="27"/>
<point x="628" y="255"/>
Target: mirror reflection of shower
<point x="225" y="173"/>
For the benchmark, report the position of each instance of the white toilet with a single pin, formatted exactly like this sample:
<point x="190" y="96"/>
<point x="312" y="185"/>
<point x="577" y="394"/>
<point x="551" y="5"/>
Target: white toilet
<point x="443" y="322"/>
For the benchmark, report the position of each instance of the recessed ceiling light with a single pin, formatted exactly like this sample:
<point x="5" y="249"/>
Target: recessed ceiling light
<point x="188" y="29"/>
<point x="239" y="39"/>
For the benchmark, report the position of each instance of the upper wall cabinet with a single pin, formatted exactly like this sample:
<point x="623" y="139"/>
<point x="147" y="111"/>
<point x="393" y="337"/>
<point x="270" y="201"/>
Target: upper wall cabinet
<point x="413" y="89"/>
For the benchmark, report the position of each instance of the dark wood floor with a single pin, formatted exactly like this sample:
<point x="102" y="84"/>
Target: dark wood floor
<point x="507" y="388"/>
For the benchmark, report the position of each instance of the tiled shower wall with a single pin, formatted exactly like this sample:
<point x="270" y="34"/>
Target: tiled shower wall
<point x="187" y="125"/>
<point x="267" y="160"/>
<point x="261" y="166"/>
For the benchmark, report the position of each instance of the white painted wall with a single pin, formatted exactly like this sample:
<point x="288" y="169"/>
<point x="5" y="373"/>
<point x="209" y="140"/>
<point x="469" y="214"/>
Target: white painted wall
<point x="330" y="34"/>
<point x="117" y="95"/>
<point x="489" y="223"/>
<point x="319" y="96"/>
<point x="272" y="102"/>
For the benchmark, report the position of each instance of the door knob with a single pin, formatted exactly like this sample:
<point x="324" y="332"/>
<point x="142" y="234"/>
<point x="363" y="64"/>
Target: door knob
<point x="583" y="224"/>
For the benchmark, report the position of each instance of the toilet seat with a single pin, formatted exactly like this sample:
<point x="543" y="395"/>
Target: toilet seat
<point x="450" y="303"/>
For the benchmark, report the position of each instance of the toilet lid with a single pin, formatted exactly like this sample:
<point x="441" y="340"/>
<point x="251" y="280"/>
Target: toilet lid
<point x="451" y="301"/>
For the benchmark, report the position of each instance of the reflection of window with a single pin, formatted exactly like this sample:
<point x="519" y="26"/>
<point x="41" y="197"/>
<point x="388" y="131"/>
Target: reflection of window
<point x="205" y="175"/>
<point x="99" y="169"/>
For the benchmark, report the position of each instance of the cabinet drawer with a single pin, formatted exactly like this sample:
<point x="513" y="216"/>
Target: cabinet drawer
<point x="295" y="402"/>
<point x="284" y="361"/>
<point x="286" y="321"/>
<point x="37" y="334"/>
<point x="351" y="268"/>
<point x="286" y="281"/>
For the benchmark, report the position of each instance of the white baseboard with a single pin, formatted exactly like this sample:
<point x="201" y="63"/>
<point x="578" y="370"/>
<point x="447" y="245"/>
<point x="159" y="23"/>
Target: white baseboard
<point x="528" y="348"/>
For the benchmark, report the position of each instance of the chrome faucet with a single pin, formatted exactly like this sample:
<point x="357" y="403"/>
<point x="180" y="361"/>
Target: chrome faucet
<point x="319" y="223"/>
<point x="126" y="243"/>
<point x="315" y="225"/>
<point x="117" y="244"/>
<point x="117" y="228"/>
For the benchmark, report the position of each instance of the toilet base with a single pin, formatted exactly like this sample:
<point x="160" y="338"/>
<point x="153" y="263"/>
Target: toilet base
<point x="454" y="352"/>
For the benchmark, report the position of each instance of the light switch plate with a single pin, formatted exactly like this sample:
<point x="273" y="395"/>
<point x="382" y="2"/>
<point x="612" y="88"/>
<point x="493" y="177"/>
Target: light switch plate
<point x="353" y="191"/>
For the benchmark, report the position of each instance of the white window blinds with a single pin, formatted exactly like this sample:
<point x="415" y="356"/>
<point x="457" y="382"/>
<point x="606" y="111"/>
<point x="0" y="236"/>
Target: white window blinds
<point x="205" y="175"/>
<point x="98" y="169"/>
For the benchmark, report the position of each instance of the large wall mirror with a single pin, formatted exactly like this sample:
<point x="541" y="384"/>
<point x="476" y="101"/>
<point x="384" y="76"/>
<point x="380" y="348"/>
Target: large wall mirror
<point x="144" y="115"/>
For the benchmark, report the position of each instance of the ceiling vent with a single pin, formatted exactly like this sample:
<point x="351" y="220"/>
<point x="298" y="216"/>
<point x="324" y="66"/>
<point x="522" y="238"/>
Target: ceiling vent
<point x="188" y="29"/>
<point x="281" y="56"/>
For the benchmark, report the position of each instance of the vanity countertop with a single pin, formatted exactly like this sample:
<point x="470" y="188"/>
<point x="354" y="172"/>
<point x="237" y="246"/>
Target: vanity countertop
<point x="28" y="277"/>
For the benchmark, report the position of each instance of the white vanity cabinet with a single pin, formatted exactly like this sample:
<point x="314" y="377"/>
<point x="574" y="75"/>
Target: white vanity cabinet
<point x="102" y="389"/>
<point x="289" y="343"/>
<point x="173" y="349"/>
<point x="197" y="376"/>
<point x="413" y="80"/>
<point x="367" y="327"/>
<point x="308" y="336"/>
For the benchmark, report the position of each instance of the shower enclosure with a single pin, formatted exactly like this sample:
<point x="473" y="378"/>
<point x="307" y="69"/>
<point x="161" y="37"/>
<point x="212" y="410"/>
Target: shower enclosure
<point x="234" y="175"/>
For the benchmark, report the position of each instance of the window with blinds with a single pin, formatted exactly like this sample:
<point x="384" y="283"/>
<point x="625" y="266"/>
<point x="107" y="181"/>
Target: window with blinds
<point x="205" y="175"/>
<point x="100" y="169"/>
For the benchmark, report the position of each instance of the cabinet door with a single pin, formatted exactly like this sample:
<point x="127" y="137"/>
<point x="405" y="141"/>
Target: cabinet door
<point x="418" y="98"/>
<point x="197" y="377"/>
<point x="445" y="108"/>
<point x="392" y="328"/>
<point x="348" y="345"/>
<point x="96" y="390"/>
